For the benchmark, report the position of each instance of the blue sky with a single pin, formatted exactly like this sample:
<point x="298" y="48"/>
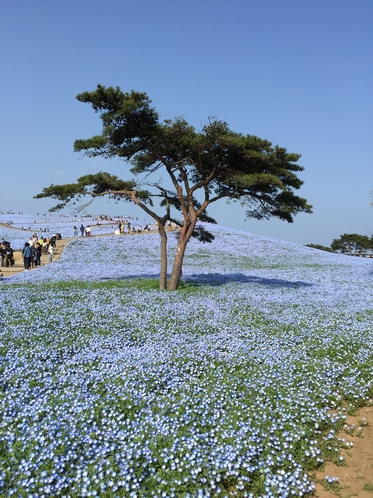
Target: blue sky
<point x="296" y="72"/>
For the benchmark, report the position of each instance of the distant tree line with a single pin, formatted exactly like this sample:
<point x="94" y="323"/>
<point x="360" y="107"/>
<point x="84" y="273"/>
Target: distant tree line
<point x="352" y="244"/>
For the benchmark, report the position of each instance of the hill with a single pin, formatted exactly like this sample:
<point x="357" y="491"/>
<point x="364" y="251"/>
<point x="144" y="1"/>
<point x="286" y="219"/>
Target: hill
<point x="236" y="385"/>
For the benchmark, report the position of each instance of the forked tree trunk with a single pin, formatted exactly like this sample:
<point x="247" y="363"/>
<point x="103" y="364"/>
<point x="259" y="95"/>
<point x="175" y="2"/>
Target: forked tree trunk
<point x="173" y="283"/>
<point x="185" y="235"/>
<point x="163" y="268"/>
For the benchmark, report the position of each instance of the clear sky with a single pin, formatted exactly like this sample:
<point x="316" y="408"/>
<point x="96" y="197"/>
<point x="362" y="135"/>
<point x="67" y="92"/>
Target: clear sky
<point x="296" y="72"/>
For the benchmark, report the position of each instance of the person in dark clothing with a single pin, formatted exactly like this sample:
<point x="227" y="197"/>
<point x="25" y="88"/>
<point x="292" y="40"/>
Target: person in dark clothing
<point x="27" y="255"/>
<point x="52" y="242"/>
<point x="37" y="254"/>
<point x="6" y="255"/>
<point x="2" y="253"/>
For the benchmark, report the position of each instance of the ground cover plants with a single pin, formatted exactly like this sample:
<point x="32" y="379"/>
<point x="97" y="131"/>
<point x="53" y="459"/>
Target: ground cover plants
<point x="233" y="386"/>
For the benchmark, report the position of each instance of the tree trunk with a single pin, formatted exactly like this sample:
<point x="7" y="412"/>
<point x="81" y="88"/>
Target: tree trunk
<point x="185" y="235"/>
<point x="173" y="283"/>
<point x="163" y="268"/>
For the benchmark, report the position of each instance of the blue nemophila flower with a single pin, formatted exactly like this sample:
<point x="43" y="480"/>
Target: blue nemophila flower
<point x="226" y="389"/>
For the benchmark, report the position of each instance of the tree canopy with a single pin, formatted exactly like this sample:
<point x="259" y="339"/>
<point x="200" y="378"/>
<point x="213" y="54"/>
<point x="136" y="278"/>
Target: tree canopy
<point x="202" y="167"/>
<point x="352" y="243"/>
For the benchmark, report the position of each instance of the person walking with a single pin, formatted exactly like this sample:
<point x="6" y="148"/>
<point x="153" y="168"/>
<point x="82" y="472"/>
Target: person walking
<point x="37" y="254"/>
<point x="2" y="253"/>
<point x="6" y="256"/>
<point x="27" y="255"/>
<point x="75" y="231"/>
<point x="51" y="253"/>
<point x="8" y="259"/>
<point x="82" y="229"/>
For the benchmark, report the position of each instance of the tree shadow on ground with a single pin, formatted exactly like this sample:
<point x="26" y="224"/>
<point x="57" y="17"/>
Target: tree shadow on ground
<point x="217" y="279"/>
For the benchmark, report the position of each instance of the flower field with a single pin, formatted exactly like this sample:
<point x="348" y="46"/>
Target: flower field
<point x="233" y="386"/>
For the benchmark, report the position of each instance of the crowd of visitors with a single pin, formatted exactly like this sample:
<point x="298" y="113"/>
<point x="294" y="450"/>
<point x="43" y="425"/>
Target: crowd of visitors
<point x="83" y="230"/>
<point x="35" y="247"/>
<point x="125" y="227"/>
<point x="31" y="252"/>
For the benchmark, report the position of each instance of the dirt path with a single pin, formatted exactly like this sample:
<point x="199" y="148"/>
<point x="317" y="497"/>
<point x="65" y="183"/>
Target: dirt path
<point x="44" y="260"/>
<point x="356" y="472"/>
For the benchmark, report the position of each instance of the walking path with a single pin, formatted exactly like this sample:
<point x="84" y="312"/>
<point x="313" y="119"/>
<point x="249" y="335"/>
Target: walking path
<point x="44" y="260"/>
